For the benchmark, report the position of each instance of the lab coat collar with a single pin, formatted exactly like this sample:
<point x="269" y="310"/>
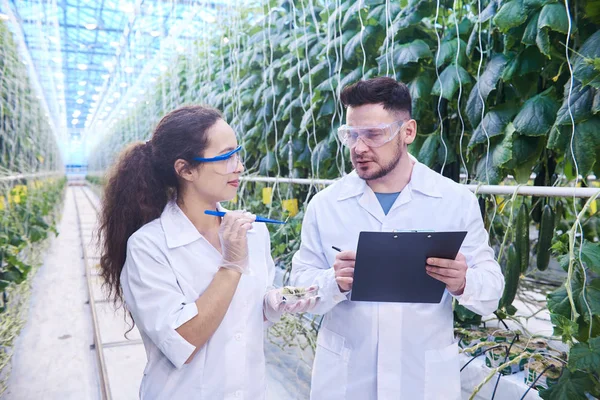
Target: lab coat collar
<point x="179" y="230"/>
<point x="422" y="180"/>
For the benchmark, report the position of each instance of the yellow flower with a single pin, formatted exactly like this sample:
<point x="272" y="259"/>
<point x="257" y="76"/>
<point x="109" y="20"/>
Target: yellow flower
<point x="17" y="199"/>
<point x="1" y="203"/>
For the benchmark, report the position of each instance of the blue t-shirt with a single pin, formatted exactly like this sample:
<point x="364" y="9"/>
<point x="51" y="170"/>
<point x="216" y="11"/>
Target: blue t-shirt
<point x="387" y="200"/>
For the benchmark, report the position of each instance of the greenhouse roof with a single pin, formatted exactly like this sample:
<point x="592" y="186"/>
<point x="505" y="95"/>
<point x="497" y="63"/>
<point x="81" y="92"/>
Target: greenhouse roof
<point x="87" y="54"/>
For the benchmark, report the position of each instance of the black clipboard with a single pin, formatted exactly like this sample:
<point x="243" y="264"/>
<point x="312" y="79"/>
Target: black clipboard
<point x="390" y="266"/>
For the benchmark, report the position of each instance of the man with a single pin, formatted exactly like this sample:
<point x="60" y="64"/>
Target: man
<point x="386" y="351"/>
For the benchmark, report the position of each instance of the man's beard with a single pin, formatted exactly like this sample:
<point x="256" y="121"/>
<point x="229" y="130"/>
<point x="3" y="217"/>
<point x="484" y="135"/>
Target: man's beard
<point x="381" y="171"/>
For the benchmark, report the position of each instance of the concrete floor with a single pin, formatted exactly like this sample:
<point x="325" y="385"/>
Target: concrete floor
<point x="52" y="357"/>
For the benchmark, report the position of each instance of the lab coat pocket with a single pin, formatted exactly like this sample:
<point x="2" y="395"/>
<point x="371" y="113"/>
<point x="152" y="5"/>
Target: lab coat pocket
<point x="442" y="374"/>
<point x="330" y="371"/>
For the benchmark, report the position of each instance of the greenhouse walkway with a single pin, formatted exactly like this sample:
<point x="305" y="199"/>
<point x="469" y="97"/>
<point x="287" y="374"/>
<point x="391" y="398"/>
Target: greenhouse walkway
<point x="56" y="356"/>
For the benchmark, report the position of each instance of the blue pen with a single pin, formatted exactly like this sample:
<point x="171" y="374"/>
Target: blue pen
<point x="258" y="219"/>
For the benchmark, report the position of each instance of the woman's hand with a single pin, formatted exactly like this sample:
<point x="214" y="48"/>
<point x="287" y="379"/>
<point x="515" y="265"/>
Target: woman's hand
<point x="234" y="240"/>
<point x="275" y="305"/>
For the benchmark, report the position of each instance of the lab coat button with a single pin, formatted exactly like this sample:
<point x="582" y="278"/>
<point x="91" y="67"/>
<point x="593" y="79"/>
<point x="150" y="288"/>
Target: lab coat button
<point x="238" y="336"/>
<point x="238" y="393"/>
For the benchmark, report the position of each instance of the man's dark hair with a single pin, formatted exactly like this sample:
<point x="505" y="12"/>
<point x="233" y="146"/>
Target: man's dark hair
<point x="392" y="94"/>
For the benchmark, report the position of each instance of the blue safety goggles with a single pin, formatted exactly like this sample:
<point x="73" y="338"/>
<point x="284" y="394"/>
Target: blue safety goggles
<point x="232" y="159"/>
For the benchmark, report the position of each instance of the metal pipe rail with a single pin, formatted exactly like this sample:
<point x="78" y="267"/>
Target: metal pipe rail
<point x="524" y="190"/>
<point x="98" y="344"/>
<point x="12" y="178"/>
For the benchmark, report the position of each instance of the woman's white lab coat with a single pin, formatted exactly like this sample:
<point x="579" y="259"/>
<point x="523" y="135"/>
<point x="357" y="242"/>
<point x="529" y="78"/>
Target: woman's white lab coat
<point x="391" y="350"/>
<point x="169" y="265"/>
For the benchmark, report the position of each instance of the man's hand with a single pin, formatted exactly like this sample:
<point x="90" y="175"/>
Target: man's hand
<point x="344" y="269"/>
<point x="452" y="272"/>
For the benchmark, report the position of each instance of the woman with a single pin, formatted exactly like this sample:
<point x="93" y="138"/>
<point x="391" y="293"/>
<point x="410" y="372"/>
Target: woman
<point x="196" y="285"/>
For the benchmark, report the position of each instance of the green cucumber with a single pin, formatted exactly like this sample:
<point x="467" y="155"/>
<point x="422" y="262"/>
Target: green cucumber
<point x="545" y="238"/>
<point x="512" y="272"/>
<point x="522" y="237"/>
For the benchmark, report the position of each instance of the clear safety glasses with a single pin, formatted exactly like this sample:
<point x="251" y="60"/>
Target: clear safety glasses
<point x="372" y="136"/>
<point x="224" y="163"/>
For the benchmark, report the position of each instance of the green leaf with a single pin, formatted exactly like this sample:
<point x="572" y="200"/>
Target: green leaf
<point x="581" y="104"/>
<point x="513" y="37"/>
<point x="473" y="40"/>
<point x="420" y="89"/>
<point x="452" y="76"/>
<point x="554" y="17"/>
<point x="590" y="255"/>
<point x="571" y="386"/>
<point x="537" y="115"/>
<point x="564" y="327"/>
<point x="465" y="315"/>
<point x="494" y="123"/>
<point x="596" y="102"/>
<point x="412" y="52"/>
<point x="543" y="42"/>
<point x="558" y="301"/>
<point x="511" y="69"/>
<point x="526" y="154"/>
<point x="592" y="11"/>
<point x="489" y="170"/>
<point x="484" y="86"/>
<point x="530" y="60"/>
<point x="36" y="234"/>
<point x="511" y="15"/>
<point x="585" y="356"/>
<point x="527" y="148"/>
<point x="12" y="274"/>
<point x="585" y="143"/>
<point x="488" y="12"/>
<point x="583" y="66"/>
<point x="428" y="152"/>
<point x="351" y="77"/>
<point x="322" y="154"/>
<point x="449" y="50"/>
<point x="531" y="31"/>
<point x="559" y="137"/>
<point x="327" y="108"/>
<point x="353" y="46"/>
<point x="535" y="4"/>
<point x="268" y="164"/>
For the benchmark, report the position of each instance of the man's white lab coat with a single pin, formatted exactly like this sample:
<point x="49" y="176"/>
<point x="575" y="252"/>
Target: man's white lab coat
<point x="391" y="350"/>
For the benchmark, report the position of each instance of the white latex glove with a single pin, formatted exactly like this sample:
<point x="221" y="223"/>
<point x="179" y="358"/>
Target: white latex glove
<point x="275" y="305"/>
<point x="234" y="241"/>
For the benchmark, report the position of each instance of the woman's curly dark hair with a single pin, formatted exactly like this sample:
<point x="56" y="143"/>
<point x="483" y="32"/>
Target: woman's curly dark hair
<point x="142" y="182"/>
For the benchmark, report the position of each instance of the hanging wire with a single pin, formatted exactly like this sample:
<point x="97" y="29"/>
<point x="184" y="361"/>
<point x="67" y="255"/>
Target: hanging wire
<point x="579" y="227"/>
<point x="310" y="91"/>
<point x="460" y="89"/>
<point x="387" y="35"/>
<point x="390" y="45"/>
<point x="362" y="45"/>
<point x="339" y="156"/>
<point x="437" y="73"/>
